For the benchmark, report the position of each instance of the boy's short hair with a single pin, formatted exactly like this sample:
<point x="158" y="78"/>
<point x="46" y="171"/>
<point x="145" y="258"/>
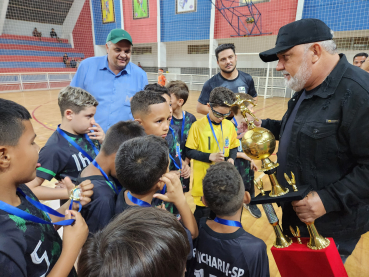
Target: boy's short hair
<point x="140" y="162"/>
<point x="223" y="189"/>
<point x="179" y="89"/>
<point x="157" y="88"/>
<point x="142" y="100"/>
<point x="243" y="96"/>
<point x="11" y="127"/>
<point x="223" y="47"/>
<point x="75" y="99"/>
<point x="220" y="95"/>
<point x="138" y="242"/>
<point x="119" y="133"/>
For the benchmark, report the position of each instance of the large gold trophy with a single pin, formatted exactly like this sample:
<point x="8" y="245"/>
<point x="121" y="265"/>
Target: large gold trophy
<point x="259" y="143"/>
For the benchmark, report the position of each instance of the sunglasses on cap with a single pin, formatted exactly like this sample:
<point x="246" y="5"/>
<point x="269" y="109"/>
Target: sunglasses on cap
<point x="218" y="114"/>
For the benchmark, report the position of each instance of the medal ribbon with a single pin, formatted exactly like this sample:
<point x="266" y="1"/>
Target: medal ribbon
<point x="212" y="129"/>
<point x="79" y="148"/>
<point x="22" y="214"/>
<point x="228" y="222"/>
<point x="137" y="201"/>
<point x="178" y="150"/>
<point x="112" y="186"/>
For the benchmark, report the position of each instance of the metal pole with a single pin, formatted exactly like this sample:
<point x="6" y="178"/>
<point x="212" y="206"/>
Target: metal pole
<point x="266" y="82"/>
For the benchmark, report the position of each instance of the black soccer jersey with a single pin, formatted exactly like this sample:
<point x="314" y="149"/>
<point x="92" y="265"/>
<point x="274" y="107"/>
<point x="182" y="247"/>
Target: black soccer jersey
<point x="242" y="84"/>
<point x="234" y="255"/>
<point x="101" y="209"/>
<point x="28" y="248"/>
<point x="59" y="158"/>
<point x="177" y="128"/>
<point x="244" y="168"/>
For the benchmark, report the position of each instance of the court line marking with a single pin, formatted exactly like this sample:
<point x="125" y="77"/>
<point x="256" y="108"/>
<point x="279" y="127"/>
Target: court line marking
<point x="34" y="117"/>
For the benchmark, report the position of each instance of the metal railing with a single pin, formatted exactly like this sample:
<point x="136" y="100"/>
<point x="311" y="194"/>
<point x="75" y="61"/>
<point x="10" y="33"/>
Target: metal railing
<point x="34" y="81"/>
<point x="265" y="86"/>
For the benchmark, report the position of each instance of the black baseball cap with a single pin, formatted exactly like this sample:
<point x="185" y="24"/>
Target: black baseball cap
<point x="295" y="33"/>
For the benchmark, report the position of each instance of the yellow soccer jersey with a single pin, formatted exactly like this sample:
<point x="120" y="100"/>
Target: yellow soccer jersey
<point x="200" y="138"/>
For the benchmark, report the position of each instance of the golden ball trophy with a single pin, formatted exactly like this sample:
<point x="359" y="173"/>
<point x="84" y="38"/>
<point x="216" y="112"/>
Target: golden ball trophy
<point x="259" y="143"/>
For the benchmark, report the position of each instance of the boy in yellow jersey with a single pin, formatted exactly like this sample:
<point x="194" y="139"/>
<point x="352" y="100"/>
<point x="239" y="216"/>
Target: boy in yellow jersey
<point x="211" y="139"/>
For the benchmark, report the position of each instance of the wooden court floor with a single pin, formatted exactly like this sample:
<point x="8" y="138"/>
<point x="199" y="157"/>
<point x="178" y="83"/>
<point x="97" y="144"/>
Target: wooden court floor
<point x="46" y="116"/>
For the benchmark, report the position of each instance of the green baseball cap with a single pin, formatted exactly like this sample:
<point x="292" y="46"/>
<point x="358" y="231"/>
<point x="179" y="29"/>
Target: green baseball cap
<point x="117" y="35"/>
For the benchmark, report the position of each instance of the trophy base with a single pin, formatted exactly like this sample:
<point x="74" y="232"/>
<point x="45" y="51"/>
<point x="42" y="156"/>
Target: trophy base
<point x="291" y="196"/>
<point x="299" y="260"/>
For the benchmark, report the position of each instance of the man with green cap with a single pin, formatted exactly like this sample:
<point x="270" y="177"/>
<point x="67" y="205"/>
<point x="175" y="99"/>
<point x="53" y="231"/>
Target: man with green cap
<point x="112" y="79"/>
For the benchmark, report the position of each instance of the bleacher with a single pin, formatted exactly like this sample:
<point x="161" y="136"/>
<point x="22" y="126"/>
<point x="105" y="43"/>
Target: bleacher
<point x="29" y="54"/>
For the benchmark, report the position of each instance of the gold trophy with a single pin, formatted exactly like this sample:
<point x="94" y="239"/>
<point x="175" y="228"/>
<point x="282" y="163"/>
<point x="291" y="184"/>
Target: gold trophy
<point x="259" y="143"/>
<point x="291" y="181"/>
<point x="281" y="241"/>
<point x="296" y="234"/>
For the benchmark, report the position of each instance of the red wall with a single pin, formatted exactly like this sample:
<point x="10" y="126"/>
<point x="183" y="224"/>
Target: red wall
<point x="142" y="30"/>
<point x="274" y="15"/>
<point x="82" y="32"/>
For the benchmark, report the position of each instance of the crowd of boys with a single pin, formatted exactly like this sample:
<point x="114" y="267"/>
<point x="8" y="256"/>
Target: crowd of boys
<point x="132" y="181"/>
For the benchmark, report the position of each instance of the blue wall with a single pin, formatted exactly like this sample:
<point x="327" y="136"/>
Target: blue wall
<point x="102" y="30"/>
<point x="339" y="15"/>
<point x="187" y="26"/>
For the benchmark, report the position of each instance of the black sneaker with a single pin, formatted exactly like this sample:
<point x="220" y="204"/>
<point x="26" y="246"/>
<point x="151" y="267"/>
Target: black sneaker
<point x="254" y="210"/>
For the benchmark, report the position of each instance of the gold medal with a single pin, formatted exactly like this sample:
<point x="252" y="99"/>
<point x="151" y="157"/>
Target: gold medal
<point x="75" y="194"/>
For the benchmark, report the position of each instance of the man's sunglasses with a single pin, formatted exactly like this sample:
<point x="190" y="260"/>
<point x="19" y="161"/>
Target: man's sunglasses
<point x="218" y="114"/>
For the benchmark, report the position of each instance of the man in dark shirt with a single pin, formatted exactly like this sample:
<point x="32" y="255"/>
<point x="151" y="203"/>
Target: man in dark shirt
<point x="53" y="34"/>
<point x="228" y="77"/>
<point x="323" y="135"/>
<point x="73" y="63"/>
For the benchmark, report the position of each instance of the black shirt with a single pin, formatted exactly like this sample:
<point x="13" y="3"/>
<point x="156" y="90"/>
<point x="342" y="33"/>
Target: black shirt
<point x="242" y="84"/>
<point x="28" y="248"/>
<point x="59" y="158"/>
<point x="101" y="209"/>
<point x="177" y="128"/>
<point x="234" y="254"/>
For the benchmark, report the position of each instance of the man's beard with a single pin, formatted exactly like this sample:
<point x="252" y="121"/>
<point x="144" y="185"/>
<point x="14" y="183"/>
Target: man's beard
<point x="298" y="81"/>
<point x="229" y="71"/>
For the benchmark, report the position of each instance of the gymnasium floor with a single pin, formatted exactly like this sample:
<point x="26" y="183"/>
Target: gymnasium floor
<point x="46" y="116"/>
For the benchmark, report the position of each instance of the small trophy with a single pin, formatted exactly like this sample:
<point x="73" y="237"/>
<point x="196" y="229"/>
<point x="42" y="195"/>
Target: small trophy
<point x="292" y="181"/>
<point x="296" y="234"/>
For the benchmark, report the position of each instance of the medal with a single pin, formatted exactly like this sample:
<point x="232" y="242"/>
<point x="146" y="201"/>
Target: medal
<point x="75" y="196"/>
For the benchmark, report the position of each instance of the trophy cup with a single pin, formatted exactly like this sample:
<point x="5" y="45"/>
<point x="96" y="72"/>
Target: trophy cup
<point x="259" y="143"/>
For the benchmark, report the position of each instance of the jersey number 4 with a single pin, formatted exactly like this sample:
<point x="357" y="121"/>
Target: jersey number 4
<point x="38" y="260"/>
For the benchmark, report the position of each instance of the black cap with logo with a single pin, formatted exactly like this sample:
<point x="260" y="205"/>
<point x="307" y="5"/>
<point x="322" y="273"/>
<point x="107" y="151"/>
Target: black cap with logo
<point x="295" y="33"/>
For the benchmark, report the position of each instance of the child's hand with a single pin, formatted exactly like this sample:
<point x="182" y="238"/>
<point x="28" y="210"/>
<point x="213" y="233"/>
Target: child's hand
<point x="216" y="157"/>
<point x="230" y="160"/>
<point x="176" y="172"/>
<point x="253" y="166"/>
<point x="186" y="170"/>
<point x="86" y="193"/>
<point x="66" y="184"/>
<point x="74" y="236"/>
<point x="174" y="192"/>
<point x="97" y="134"/>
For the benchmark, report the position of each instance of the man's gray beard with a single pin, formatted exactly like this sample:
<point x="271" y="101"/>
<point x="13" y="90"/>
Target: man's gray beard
<point x="298" y="81"/>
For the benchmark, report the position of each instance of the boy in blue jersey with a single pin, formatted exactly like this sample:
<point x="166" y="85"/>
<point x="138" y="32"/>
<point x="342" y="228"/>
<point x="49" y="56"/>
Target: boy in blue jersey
<point x="102" y="174"/>
<point x="29" y="244"/>
<point x="229" y="249"/>
<point x="180" y="125"/>
<point x="71" y="147"/>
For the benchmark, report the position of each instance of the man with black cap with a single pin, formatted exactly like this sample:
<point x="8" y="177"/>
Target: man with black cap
<point x="112" y="79"/>
<point x="323" y="136"/>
